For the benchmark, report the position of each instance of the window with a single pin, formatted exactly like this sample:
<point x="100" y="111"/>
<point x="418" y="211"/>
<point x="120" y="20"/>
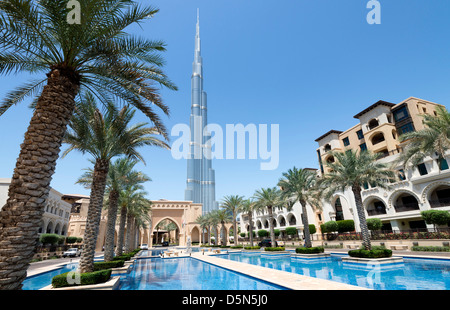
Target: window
<point x="401" y="114"/>
<point x="422" y="169"/>
<point x="373" y="123"/>
<point x="401" y="175"/>
<point x="406" y="128"/>
<point x="363" y="147"/>
<point x="346" y="141"/>
<point x="360" y="134"/>
<point x="443" y="164"/>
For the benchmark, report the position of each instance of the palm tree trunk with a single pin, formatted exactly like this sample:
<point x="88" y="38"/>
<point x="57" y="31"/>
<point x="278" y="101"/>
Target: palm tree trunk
<point x="235" y="229"/>
<point x="111" y="225"/>
<point x="308" y="243"/>
<point x="272" y="232"/>
<point x="94" y="215"/>
<point x="250" y="216"/>
<point x="224" y="234"/>
<point x="130" y="220"/>
<point x="209" y="234"/>
<point x="121" y="235"/>
<point x="356" y="189"/>
<point x="21" y="216"/>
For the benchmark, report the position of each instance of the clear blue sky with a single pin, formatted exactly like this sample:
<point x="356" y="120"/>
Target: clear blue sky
<point x="308" y="66"/>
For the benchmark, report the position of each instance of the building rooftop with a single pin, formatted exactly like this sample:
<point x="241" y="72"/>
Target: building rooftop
<point x="328" y="133"/>
<point x="373" y="106"/>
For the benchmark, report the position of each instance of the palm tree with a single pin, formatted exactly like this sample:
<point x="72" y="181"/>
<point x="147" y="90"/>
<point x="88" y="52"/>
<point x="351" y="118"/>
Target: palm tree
<point x="352" y="170"/>
<point x="248" y="207"/>
<point x="298" y="185"/>
<point x="104" y="137"/>
<point x="98" y="55"/>
<point x="202" y="220"/>
<point x="233" y="204"/>
<point x="268" y="198"/>
<point x="130" y="193"/>
<point x="137" y="217"/>
<point x="433" y="139"/>
<point x="120" y="174"/>
<point x="222" y="216"/>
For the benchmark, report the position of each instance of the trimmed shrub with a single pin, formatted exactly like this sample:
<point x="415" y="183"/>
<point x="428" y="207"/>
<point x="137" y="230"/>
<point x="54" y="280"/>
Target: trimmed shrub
<point x="242" y="234"/>
<point x="374" y="224"/>
<point x="313" y="250"/>
<point x="237" y="247"/>
<point x="346" y="225"/>
<point x="330" y="226"/>
<point x="79" y="240"/>
<point x="431" y="248"/>
<point x="263" y="233"/>
<point x="123" y="257"/>
<point x="312" y="229"/>
<point x="49" y="238"/>
<point x="378" y="253"/>
<point x="70" y="240"/>
<point x="436" y="217"/>
<point x="256" y="247"/>
<point x="280" y="248"/>
<point x="276" y="232"/>
<point x="291" y="231"/>
<point x="87" y="278"/>
<point x="108" y="265"/>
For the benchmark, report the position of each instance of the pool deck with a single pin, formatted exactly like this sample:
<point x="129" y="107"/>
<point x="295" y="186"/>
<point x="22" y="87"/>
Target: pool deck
<point x="282" y="278"/>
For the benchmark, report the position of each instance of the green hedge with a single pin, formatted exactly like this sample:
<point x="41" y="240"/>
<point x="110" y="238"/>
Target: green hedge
<point x="345" y="225"/>
<point x="378" y="253"/>
<point x="280" y="248"/>
<point x="87" y="278"/>
<point x="431" y="248"/>
<point x="237" y="247"/>
<point x="263" y="233"/>
<point x="256" y="247"/>
<point x="291" y="231"/>
<point x="108" y="265"/>
<point x="49" y="238"/>
<point x="70" y="240"/>
<point x="313" y="250"/>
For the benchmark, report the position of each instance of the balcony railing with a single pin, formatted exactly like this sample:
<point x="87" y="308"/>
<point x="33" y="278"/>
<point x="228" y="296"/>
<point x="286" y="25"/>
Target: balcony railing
<point x="407" y="207"/>
<point x="442" y="202"/>
<point x="376" y="212"/>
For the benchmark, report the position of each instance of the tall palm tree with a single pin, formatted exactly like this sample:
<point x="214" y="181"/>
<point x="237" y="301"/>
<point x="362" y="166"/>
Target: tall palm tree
<point x="202" y="220"/>
<point x="233" y="204"/>
<point x="298" y="185"/>
<point x="104" y="137"/>
<point x="98" y="54"/>
<point x="352" y="170"/>
<point x="268" y="198"/>
<point x="433" y="139"/>
<point x="222" y="216"/>
<point x="120" y="174"/>
<point x="248" y="207"/>
<point x="127" y="195"/>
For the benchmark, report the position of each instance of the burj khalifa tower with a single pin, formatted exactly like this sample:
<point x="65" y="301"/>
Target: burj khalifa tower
<point x="200" y="183"/>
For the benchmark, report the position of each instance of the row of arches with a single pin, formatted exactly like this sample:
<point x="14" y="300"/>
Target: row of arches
<point x="437" y="195"/>
<point x="53" y="227"/>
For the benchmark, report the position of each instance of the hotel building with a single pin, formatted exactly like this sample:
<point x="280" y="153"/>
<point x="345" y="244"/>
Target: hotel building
<point x="422" y="187"/>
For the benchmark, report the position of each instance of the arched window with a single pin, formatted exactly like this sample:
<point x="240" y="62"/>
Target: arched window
<point x="372" y="124"/>
<point x="338" y="208"/>
<point x="379" y="137"/>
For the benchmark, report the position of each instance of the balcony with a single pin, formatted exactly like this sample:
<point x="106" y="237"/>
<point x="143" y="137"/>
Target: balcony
<point x="407" y="207"/>
<point x="438" y="203"/>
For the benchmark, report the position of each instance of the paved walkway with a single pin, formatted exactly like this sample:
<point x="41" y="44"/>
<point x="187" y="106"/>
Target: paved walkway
<point x="282" y="278"/>
<point x="50" y="264"/>
<point x="442" y="255"/>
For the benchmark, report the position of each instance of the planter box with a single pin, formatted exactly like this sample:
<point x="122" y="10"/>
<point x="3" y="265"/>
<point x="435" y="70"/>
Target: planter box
<point x="373" y="261"/>
<point x="112" y="284"/>
<point x="121" y="270"/>
<point x="312" y="255"/>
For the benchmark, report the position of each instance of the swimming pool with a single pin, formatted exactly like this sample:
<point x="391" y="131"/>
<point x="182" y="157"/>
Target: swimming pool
<point x="156" y="252"/>
<point x="41" y="280"/>
<point x="412" y="274"/>
<point x="187" y="274"/>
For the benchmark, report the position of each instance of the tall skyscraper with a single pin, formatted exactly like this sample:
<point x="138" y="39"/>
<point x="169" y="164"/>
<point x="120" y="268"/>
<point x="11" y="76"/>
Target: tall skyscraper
<point x="200" y="183"/>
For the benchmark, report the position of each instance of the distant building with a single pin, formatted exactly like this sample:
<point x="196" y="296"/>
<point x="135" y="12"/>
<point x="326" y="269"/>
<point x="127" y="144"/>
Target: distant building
<point x="57" y="211"/>
<point x="424" y="187"/>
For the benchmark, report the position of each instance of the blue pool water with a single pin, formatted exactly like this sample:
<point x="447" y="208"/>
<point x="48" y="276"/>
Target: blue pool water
<point x="412" y="274"/>
<point x="156" y="252"/>
<point x="42" y="280"/>
<point x="187" y="274"/>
